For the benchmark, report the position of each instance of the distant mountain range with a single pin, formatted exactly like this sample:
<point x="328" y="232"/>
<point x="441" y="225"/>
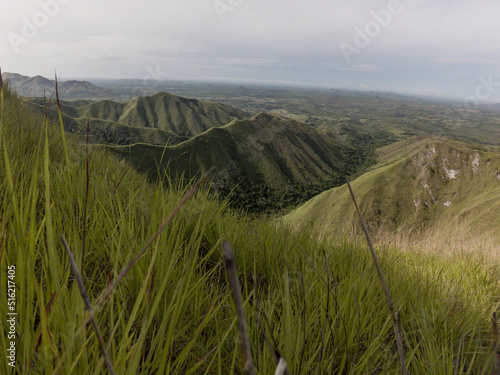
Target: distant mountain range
<point x="39" y="86"/>
<point x="157" y="120"/>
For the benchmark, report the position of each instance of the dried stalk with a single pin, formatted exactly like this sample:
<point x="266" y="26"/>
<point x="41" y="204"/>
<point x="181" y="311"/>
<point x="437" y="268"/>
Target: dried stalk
<point x="281" y="369"/>
<point x="232" y="275"/>
<point x="394" y="314"/>
<point x="496" y="346"/>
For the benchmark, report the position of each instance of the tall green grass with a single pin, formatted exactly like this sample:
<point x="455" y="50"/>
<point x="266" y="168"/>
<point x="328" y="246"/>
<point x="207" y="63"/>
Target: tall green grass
<point x="319" y="302"/>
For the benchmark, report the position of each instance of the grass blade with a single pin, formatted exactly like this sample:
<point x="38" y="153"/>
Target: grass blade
<point x="129" y="266"/>
<point x="1" y="104"/>
<point x="61" y="124"/>
<point x="85" y="298"/>
<point x="235" y="290"/>
<point x="496" y="348"/>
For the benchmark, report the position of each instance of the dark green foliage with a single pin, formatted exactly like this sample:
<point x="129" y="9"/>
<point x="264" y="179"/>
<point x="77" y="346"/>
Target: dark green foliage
<point x="268" y="199"/>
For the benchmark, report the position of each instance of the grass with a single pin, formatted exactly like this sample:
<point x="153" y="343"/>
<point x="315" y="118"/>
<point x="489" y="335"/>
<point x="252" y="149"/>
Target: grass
<point x="319" y="303"/>
<point x="418" y="186"/>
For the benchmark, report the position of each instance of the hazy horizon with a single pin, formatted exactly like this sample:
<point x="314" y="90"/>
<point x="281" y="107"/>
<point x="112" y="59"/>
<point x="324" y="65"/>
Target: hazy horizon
<point x="437" y="48"/>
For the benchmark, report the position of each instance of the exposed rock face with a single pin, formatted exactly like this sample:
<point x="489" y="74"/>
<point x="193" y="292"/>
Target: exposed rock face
<point x="418" y="185"/>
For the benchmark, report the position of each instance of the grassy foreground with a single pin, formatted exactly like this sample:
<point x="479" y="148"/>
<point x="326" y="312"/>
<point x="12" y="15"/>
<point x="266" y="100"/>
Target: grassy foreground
<point x="319" y="304"/>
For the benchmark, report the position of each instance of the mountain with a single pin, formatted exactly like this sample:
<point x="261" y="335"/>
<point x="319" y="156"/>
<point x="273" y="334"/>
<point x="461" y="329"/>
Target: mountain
<point x="157" y="120"/>
<point x="176" y="114"/>
<point x="417" y="184"/>
<point x="265" y="149"/>
<point x="39" y="86"/>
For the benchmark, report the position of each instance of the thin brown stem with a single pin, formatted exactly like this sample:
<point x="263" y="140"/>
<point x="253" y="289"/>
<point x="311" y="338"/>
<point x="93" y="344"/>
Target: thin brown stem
<point x="394" y="314"/>
<point x="232" y="275"/>
<point x="496" y="346"/>
<point x="87" y="179"/>
<point x="273" y="348"/>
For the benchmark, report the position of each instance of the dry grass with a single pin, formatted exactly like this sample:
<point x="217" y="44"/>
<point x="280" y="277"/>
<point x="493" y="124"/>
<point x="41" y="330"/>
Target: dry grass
<point x="460" y="240"/>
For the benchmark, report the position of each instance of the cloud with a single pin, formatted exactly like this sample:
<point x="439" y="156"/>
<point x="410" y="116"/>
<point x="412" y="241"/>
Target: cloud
<point x="361" y="67"/>
<point x="285" y="40"/>
<point x="469" y="61"/>
<point x="245" y="61"/>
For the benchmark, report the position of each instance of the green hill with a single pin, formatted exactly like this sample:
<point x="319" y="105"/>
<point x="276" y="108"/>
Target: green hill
<point x="418" y="184"/>
<point x="116" y="133"/>
<point x="265" y="150"/>
<point x="178" y="115"/>
<point x="159" y="119"/>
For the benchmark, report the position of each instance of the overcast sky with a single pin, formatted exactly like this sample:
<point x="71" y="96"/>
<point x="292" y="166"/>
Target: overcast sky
<point x="427" y="46"/>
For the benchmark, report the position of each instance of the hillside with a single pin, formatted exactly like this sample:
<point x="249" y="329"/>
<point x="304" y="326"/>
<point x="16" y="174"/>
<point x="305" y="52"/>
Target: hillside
<point x="178" y="115"/>
<point x="418" y="184"/>
<point x="159" y="119"/>
<point x="264" y="150"/>
<point x="151" y="264"/>
<point x="39" y="86"/>
<point x="264" y="164"/>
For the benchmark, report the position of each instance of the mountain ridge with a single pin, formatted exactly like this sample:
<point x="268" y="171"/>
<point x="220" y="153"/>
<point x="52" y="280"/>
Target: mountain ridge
<point x="39" y="86"/>
<point x="417" y="184"/>
<point x="158" y="120"/>
<point x="265" y="149"/>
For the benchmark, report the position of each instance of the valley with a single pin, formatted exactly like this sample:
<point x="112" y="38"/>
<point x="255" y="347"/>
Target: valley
<point x="275" y="148"/>
<point x="113" y="182"/>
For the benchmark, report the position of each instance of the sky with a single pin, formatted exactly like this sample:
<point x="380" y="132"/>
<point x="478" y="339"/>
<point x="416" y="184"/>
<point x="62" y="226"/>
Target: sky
<point x="437" y="47"/>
